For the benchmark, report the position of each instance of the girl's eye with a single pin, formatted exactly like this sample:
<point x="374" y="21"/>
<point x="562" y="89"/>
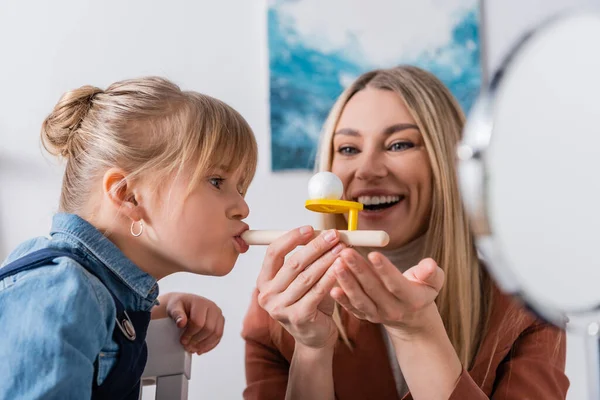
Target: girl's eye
<point x="216" y="182"/>
<point x="399" y="146"/>
<point x="348" y="150"/>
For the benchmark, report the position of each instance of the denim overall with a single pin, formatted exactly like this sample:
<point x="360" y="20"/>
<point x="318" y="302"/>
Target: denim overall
<point x="123" y="382"/>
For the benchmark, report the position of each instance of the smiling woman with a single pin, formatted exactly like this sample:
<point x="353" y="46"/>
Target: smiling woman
<point x="399" y="318"/>
<point x="370" y="146"/>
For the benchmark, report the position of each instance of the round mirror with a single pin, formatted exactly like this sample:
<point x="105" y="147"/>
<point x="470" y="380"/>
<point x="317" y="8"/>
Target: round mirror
<point x="528" y="167"/>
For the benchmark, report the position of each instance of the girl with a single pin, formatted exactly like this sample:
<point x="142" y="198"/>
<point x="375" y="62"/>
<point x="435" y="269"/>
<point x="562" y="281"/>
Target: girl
<point x="407" y="328"/>
<point x="154" y="184"/>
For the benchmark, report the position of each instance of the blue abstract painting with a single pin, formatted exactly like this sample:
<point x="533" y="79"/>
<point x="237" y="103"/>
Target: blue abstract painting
<point x="318" y="47"/>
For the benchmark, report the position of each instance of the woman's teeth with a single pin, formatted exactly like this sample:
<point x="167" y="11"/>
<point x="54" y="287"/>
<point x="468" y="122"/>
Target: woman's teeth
<point x="374" y="203"/>
<point x="376" y="200"/>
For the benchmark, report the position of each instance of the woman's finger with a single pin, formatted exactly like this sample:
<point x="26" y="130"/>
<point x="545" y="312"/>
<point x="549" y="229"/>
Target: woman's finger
<point x="352" y="289"/>
<point x="418" y="286"/>
<point x="309" y="303"/>
<point x="390" y="276"/>
<point x="280" y="248"/>
<point x="309" y="277"/>
<point x="337" y="293"/>
<point x="371" y="284"/>
<point x="427" y="273"/>
<point x="303" y="258"/>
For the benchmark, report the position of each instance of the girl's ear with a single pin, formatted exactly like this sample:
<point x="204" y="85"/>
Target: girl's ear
<point x="121" y="194"/>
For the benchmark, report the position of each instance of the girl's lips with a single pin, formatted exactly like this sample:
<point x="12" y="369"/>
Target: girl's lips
<point x="240" y="244"/>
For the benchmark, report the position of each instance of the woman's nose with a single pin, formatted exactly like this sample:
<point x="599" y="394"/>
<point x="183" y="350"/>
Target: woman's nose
<point x="371" y="165"/>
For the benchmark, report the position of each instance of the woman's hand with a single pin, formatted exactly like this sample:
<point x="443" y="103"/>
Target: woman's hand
<point x="202" y="320"/>
<point x="378" y="292"/>
<point x="295" y="292"/>
<point x="404" y="303"/>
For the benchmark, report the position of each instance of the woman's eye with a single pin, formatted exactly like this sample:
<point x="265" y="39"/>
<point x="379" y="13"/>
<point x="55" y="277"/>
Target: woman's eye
<point x="348" y="150"/>
<point x="399" y="146"/>
<point x="216" y="182"/>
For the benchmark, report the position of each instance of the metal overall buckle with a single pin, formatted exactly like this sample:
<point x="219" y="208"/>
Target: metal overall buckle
<point x="126" y="327"/>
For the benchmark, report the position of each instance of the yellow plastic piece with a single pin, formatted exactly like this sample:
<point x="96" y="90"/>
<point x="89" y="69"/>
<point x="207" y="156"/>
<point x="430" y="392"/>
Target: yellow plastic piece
<point x="353" y="219"/>
<point x="330" y="206"/>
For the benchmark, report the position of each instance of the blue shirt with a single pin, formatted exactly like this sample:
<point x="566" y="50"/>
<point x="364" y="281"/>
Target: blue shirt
<point x="57" y="321"/>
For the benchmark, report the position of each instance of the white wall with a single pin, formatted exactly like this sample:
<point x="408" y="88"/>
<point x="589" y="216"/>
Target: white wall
<point x="216" y="47"/>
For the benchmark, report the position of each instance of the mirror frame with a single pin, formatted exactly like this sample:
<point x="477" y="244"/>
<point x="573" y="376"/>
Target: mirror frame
<point x="473" y="178"/>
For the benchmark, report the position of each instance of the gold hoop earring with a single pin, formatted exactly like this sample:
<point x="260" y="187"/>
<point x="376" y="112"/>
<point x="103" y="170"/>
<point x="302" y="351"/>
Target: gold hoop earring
<point x="138" y="234"/>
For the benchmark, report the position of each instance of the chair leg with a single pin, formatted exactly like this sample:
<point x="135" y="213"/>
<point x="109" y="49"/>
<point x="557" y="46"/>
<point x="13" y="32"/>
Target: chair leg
<point x="173" y="387"/>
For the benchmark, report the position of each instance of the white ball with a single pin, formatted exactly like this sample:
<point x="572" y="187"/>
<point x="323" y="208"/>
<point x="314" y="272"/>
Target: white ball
<point x="325" y="185"/>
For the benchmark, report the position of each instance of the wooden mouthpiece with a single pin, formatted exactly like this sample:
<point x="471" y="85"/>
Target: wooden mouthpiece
<point x="352" y="238"/>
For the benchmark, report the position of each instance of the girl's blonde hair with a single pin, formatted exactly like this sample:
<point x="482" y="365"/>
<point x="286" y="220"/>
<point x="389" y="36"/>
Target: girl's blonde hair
<point x="148" y="127"/>
<point x="465" y="300"/>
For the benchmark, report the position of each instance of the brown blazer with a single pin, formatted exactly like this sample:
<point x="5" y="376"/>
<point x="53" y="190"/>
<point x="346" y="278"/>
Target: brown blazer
<point x="520" y="357"/>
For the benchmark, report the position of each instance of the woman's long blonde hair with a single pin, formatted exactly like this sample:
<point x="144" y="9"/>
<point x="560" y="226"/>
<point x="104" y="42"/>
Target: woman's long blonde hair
<point x="465" y="300"/>
<point x="148" y="127"/>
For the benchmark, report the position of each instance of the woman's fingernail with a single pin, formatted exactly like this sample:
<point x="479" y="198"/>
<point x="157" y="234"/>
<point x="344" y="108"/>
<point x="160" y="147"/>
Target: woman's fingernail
<point x="330" y="236"/>
<point x="178" y="320"/>
<point x="305" y="229"/>
<point x="337" y="249"/>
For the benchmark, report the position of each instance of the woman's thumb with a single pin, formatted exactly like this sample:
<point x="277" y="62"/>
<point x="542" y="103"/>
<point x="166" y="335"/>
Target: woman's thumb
<point x="428" y="273"/>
